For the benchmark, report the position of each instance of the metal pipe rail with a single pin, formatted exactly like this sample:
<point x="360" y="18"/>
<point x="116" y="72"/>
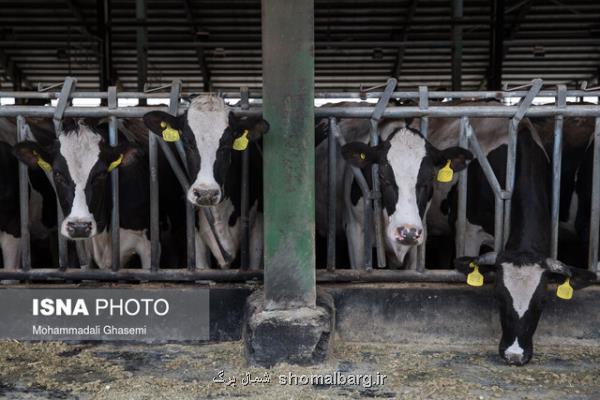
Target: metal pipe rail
<point x="404" y="95"/>
<point x="424" y="109"/>
<point x="436" y="111"/>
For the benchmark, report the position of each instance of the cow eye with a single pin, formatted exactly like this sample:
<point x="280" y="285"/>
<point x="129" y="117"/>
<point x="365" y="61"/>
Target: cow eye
<point x="59" y="178"/>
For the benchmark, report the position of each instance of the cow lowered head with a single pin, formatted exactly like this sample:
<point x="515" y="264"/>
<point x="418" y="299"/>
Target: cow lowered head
<point x="521" y="294"/>
<point x="209" y="132"/>
<point x="79" y="162"/>
<point x="408" y="166"/>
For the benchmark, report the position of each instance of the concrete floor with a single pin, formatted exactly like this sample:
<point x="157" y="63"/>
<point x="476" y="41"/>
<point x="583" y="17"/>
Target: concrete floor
<point x="425" y="371"/>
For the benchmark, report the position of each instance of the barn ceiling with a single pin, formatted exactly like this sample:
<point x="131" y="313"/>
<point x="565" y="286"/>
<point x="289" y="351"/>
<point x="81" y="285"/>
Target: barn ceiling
<point x="357" y="42"/>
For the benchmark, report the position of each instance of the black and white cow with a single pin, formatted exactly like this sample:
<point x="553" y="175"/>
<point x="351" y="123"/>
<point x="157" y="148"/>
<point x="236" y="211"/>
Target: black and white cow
<point x="10" y="222"/>
<point x="208" y="130"/>
<point x="79" y="162"/>
<point x="408" y="166"/>
<point x="522" y="268"/>
<point x="583" y="189"/>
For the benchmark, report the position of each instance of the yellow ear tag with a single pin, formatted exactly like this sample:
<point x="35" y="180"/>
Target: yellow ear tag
<point x="565" y="291"/>
<point x="42" y="163"/>
<point x="363" y="156"/>
<point x="241" y="143"/>
<point x="115" y="163"/>
<point x="475" y="278"/>
<point x="169" y="134"/>
<point x="446" y="173"/>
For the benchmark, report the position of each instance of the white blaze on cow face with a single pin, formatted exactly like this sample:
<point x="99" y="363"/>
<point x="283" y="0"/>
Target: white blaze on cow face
<point x="207" y="118"/>
<point x="521" y="283"/>
<point x="521" y="307"/>
<point x="407" y="151"/>
<point x="81" y="151"/>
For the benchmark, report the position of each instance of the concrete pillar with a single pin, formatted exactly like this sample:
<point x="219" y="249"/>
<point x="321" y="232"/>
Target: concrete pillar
<point x="286" y="322"/>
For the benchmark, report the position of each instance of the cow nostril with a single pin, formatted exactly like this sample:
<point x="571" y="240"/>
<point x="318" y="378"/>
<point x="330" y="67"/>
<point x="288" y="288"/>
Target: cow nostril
<point x="197" y="193"/>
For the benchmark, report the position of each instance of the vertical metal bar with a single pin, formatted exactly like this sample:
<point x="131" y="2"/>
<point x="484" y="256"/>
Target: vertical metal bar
<point x="190" y="212"/>
<point x="499" y="194"/>
<point x="103" y="13"/>
<point x="331" y="194"/>
<point x="511" y="158"/>
<point x="424" y="127"/>
<point x="536" y="86"/>
<point x="376" y="215"/>
<point x="457" y="44"/>
<point x="289" y="153"/>
<point x="461" y="222"/>
<point x="25" y="245"/>
<point x="154" y="234"/>
<point x="369" y="230"/>
<point x="498" y="223"/>
<point x="556" y="170"/>
<point x="141" y="46"/>
<point x="113" y="140"/>
<point x="63" y="101"/>
<point x="376" y="190"/>
<point x="423" y="105"/>
<point x="494" y="78"/>
<point x="360" y="180"/>
<point x="595" y="212"/>
<point x="245" y="244"/>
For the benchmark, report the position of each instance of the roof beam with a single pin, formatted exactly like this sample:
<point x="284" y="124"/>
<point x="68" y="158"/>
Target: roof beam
<point x="512" y="30"/>
<point x="206" y="76"/>
<point x="412" y="10"/>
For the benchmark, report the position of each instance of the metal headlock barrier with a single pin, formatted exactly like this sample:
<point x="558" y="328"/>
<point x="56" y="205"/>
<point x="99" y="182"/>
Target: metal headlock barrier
<point x="415" y="272"/>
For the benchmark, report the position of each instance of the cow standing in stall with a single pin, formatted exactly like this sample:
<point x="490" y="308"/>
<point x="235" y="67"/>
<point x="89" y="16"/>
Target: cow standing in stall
<point x="408" y="167"/>
<point x="10" y="221"/>
<point x="214" y="139"/>
<point x="523" y="267"/>
<point x="80" y="161"/>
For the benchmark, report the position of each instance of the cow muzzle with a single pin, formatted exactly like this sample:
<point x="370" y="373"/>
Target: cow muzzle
<point x="408" y="235"/>
<point x="518" y="359"/>
<point x="76" y="229"/>
<point x="206" y="197"/>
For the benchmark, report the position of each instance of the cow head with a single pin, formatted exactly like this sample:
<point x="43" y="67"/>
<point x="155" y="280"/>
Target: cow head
<point x="209" y="132"/>
<point x="79" y="162"/>
<point x="408" y="166"/>
<point x="521" y="294"/>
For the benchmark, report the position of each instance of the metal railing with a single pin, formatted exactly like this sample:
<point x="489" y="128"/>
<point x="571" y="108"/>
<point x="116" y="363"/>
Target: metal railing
<point x="416" y="271"/>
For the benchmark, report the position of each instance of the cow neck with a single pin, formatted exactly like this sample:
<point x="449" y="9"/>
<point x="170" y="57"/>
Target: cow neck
<point x="530" y="210"/>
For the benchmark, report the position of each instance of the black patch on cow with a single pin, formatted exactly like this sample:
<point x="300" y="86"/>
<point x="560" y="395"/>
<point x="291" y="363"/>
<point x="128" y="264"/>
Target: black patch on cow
<point x="9" y="192"/>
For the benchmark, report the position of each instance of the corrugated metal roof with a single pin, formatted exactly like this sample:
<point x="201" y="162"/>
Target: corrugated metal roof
<point x="357" y="42"/>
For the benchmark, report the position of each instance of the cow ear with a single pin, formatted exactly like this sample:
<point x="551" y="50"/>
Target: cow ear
<point x="359" y="154"/>
<point x="253" y="127"/>
<point x="123" y="155"/>
<point x="464" y="265"/>
<point x="362" y="155"/>
<point x="579" y="278"/>
<point x="159" y="121"/>
<point x="458" y="157"/>
<point x="33" y="155"/>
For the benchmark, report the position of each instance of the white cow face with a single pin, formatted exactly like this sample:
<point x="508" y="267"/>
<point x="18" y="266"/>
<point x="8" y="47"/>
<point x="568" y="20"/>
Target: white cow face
<point x="208" y="130"/>
<point x="408" y="165"/>
<point x="521" y="293"/>
<point x="79" y="163"/>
